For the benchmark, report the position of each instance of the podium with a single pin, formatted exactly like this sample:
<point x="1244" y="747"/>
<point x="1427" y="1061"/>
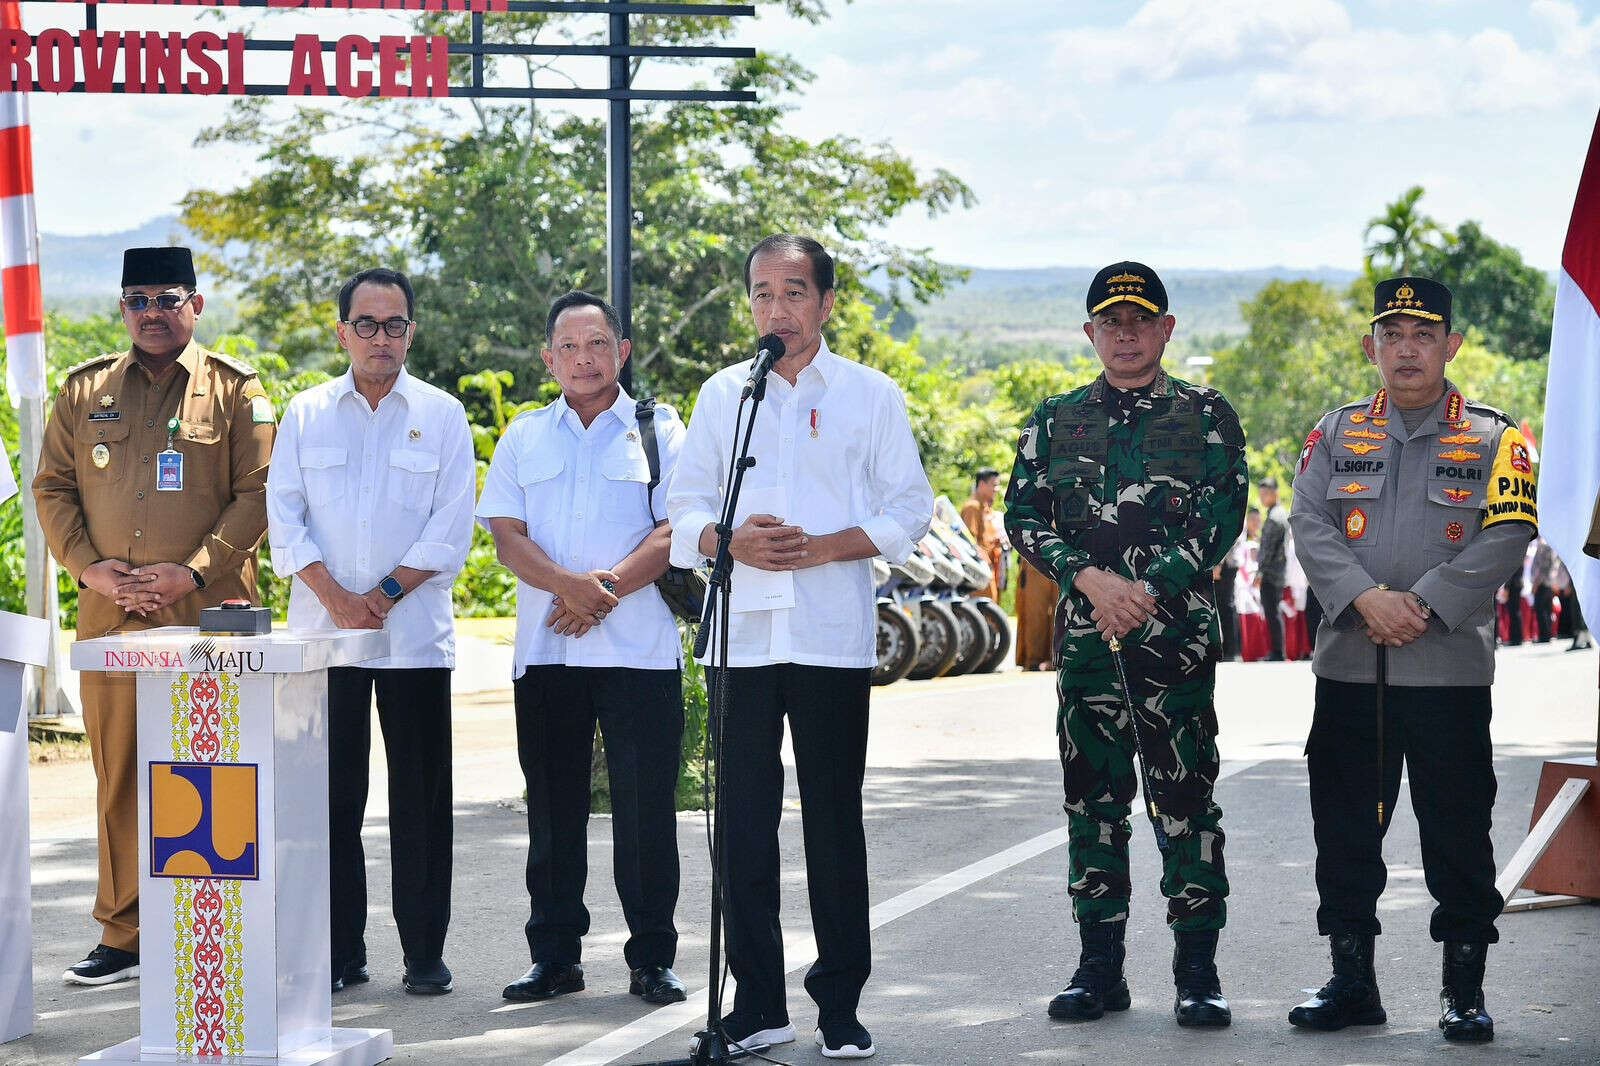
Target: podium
<point x="233" y="845"/>
<point x="24" y="642"/>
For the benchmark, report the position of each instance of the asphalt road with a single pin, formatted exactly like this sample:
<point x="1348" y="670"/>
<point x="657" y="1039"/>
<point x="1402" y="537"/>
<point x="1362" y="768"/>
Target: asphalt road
<point x="972" y="929"/>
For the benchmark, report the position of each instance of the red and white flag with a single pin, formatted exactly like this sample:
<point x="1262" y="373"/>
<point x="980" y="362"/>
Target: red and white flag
<point x="19" y="241"/>
<point x="1569" y="473"/>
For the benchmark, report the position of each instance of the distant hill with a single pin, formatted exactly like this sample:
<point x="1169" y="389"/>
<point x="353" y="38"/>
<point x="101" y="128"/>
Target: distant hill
<point x="1019" y="306"/>
<point x="996" y="306"/>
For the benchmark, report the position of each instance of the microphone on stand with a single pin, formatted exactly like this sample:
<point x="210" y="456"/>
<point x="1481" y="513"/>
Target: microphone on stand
<point x="771" y="350"/>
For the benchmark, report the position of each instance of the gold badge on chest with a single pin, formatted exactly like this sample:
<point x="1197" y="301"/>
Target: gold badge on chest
<point x="107" y="400"/>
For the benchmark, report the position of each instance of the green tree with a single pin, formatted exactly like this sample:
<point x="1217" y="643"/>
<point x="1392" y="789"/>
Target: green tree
<point x="496" y="219"/>
<point x="1400" y="240"/>
<point x="1496" y="293"/>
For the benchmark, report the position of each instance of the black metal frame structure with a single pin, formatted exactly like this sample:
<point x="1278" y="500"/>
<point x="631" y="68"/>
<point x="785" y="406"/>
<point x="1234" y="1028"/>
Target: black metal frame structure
<point x="619" y="93"/>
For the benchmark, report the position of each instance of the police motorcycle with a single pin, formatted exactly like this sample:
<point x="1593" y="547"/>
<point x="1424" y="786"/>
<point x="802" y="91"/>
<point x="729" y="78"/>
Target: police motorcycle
<point x="900" y="591"/>
<point x="984" y="632"/>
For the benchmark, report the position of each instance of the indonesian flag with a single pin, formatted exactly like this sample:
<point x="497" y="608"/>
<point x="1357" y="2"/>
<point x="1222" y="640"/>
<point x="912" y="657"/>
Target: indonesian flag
<point x="19" y="241"/>
<point x="1569" y="476"/>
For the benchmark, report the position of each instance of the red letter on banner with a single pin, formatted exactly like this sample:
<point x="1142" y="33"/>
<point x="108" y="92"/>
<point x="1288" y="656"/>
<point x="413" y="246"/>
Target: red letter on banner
<point x="56" y="59"/>
<point x="207" y="78"/>
<point x="16" y="75"/>
<point x="350" y="82"/>
<point x="99" y="52"/>
<point x="163" y="63"/>
<point x="305" y="69"/>
<point x="236" y="64"/>
<point x="390" y="65"/>
<point x="430" y="66"/>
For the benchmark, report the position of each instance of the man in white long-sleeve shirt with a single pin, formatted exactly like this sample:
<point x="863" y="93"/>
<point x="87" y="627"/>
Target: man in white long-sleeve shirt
<point x="837" y="481"/>
<point x="369" y="506"/>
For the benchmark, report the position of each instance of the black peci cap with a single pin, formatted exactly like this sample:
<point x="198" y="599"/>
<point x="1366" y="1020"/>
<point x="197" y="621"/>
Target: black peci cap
<point x="1127" y="281"/>
<point x="1422" y="297"/>
<point x="158" y="266"/>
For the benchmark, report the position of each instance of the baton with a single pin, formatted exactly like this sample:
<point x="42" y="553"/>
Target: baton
<point x="1138" y="747"/>
<point x="1383" y="681"/>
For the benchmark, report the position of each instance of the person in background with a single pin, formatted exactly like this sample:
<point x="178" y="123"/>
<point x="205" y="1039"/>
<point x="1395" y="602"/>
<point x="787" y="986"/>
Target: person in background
<point x="1272" y="563"/>
<point x="975" y="513"/>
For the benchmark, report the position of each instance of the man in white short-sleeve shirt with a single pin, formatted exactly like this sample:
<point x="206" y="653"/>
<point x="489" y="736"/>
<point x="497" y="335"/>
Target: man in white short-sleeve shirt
<point x="837" y="481"/>
<point x="369" y="506"/>
<point x="570" y="501"/>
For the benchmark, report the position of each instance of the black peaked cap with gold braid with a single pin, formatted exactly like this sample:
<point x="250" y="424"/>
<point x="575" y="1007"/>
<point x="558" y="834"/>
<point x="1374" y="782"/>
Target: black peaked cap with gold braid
<point x="1127" y="281"/>
<point x="1421" y="297"/>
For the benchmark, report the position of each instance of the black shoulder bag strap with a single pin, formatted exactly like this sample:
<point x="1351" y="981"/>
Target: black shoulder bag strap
<point x="645" y="412"/>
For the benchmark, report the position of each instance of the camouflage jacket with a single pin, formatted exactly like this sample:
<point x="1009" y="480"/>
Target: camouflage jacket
<point x="1152" y="490"/>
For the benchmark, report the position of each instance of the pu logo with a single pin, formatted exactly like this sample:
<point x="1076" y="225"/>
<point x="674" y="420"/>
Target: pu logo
<point x="203" y="821"/>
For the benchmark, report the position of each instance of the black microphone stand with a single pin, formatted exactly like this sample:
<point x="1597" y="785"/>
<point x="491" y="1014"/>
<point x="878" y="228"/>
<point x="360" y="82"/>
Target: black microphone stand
<point x="710" y="1046"/>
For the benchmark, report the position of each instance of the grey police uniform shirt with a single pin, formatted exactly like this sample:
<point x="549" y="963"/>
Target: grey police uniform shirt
<point x="1445" y="510"/>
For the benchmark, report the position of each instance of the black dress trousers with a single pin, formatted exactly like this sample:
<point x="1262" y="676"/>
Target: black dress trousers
<point x="414" y="714"/>
<point x="640" y="713"/>
<point x="827" y="712"/>
<point x="1442" y="735"/>
<point x="1272" y="606"/>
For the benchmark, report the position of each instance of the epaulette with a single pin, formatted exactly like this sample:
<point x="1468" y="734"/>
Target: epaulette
<point x="96" y="361"/>
<point x="238" y="366"/>
<point x="1493" y="412"/>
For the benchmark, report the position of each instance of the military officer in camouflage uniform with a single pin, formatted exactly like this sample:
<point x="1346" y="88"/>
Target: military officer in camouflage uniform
<point x="1127" y="492"/>
<point x="1410" y="508"/>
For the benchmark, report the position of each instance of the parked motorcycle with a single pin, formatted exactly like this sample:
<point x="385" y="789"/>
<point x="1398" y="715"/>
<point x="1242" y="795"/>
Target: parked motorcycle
<point x="899" y="616"/>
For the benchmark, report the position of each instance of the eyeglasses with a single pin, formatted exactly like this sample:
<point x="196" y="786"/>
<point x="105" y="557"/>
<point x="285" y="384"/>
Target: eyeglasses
<point x="166" y="301"/>
<point x="366" y="328"/>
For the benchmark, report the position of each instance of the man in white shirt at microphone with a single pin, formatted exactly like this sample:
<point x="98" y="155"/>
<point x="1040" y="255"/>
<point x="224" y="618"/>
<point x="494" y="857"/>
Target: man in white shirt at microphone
<point x="837" y="481"/>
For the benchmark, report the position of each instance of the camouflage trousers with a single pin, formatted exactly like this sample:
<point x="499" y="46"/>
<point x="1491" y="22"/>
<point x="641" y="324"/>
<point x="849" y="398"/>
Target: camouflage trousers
<point x="1177" y="732"/>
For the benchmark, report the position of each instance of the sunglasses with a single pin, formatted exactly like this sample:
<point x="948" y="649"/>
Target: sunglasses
<point x="366" y="328"/>
<point x="166" y="301"/>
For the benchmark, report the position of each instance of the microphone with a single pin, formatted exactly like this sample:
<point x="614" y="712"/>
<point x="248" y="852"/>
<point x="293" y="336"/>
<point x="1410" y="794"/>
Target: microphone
<point x="771" y="350"/>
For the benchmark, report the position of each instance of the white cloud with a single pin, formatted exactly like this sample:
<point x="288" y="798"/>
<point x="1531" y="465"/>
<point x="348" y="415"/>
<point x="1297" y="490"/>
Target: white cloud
<point x="1168" y="39"/>
<point x="951" y="58"/>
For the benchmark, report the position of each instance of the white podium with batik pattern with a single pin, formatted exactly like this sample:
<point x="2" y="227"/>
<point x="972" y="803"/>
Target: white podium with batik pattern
<point x="233" y="846"/>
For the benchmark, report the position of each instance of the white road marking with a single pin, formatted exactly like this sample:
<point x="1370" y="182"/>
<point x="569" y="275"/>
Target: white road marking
<point x="662" y="1022"/>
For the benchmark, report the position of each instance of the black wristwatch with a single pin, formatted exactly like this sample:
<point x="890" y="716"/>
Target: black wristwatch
<point x="199" y="582"/>
<point x="391" y="588"/>
<point x="1426" y="610"/>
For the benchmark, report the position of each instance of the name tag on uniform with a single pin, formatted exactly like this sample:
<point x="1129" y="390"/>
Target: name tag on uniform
<point x="169" y="471"/>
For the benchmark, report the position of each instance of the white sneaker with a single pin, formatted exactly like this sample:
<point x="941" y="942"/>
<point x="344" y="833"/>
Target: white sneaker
<point x="848" y="1040"/>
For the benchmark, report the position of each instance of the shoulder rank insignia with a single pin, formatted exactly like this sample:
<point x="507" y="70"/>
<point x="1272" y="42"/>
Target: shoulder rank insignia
<point x="1452" y="407"/>
<point x="1458" y="495"/>
<point x="1361" y="449"/>
<point x="1460" y="455"/>
<point x="1380" y="404"/>
<point x="1460" y="438"/>
<point x="1366" y="434"/>
<point x="1353" y="487"/>
<point x="1355" y="524"/>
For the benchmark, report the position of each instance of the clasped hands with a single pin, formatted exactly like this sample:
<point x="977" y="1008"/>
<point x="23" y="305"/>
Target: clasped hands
<point x="582" y="602"/>
<point x="140" y="590"/>
<point x="1120" y="604"/>
<point x="766" y="543"/>
<point x="1391" y="617"/>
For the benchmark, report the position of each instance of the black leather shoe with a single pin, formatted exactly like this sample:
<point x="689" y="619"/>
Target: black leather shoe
<point x="1462" y="1014"/>
<point x="1097" y="985"/>
<point x="338" y="984"/>
<point x="431" y="978"/>
<point x="545" y="981"/>
<point x="355" y="974"/>
<point x="1199" y="1000"/>
<point x="1351" y="996"/>
<point x="656" y="984"/>
<point x="103" y="966"/>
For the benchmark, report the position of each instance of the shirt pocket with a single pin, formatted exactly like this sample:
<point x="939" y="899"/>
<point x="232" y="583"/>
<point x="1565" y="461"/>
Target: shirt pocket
<point x="1455" y="514"/>
<point x="323" y="471"/>
<point x="623" y="496"/>
<point x="539" y="477"/>
<point x="412" y="476"/>
<point x="110" y="434"/>
<point x="1076" y="505"/>
<point x="1357" y="499"/>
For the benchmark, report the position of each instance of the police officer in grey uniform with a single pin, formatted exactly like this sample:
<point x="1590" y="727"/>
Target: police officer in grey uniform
<point x="1410" y="508"/>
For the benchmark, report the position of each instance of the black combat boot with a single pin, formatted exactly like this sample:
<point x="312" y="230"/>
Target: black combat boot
<point x="1351" y="996"/>
<point x="1194" y="971"/>
<point x="1097" y="986"/>
<point x="1462" y="1016"/>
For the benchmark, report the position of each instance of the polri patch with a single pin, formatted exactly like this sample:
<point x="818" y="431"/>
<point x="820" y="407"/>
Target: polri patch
<point x="1355" y="524"/>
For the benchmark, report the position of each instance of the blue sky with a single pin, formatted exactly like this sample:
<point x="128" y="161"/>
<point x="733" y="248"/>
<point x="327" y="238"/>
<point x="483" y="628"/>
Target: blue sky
<point x="1187" y="133"/>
